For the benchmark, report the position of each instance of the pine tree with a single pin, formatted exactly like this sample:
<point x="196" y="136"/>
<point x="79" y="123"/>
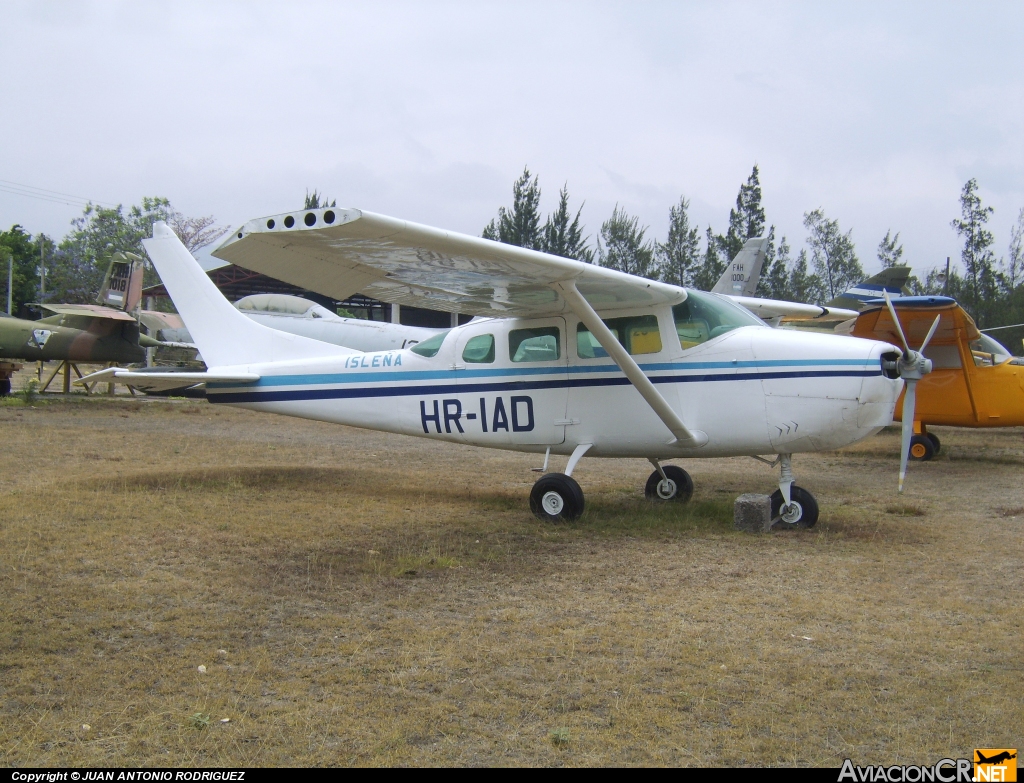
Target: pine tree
<point x="777" y="277"/>
<point x="976" y="255"/>
<point x="746" y="221"/>
<point x="890" y="251"/>
<point x="316" y="200"/>
<point x="804" y="286"/>
<point x="624" y="246"/>
<point x="832" y="253"/>
<point x="1014" y="273"/>
<point x="520" y="225"/>
<point x="712" y="264"/>
<point x="562" y="238"/>
<point x="678" y="256"/>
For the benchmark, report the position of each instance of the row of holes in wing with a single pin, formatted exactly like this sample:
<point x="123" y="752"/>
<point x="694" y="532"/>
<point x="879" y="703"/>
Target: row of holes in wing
<point x="309" y="220"/>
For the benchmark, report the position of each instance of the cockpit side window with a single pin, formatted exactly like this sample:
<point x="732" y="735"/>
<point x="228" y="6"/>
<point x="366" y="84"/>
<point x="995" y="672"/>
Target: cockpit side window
<point x="702" y="317"/>
<point x="540" y="344"/>
<point x="637" y="334"/>
<point x="479" y="349"/>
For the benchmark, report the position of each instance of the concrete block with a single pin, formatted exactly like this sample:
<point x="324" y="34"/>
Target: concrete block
<point x="752" y="513"/>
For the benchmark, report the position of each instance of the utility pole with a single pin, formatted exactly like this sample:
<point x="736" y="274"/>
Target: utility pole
<point x="945" y="284"/>
<point x="42" y="271"/>
<point x="10" y="283"/>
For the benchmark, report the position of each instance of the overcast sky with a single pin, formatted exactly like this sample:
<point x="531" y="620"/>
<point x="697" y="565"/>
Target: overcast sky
<point x="877" y="113"/>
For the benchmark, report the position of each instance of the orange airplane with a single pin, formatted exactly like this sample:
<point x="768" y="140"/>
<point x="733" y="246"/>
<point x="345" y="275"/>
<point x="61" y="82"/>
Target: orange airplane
<point x="974" y="382"/>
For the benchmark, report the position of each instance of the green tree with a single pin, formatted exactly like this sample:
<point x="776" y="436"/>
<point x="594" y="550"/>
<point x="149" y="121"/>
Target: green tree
<point x="805" y="286"/>
<point x="316" y="200"/>
<point x="746" y="221"/>
<point x="519" y="225"/>
<point x="832" y="253"/>
<point x="624" y="246"/>
<point x="678" y="256"/>
<point x="712" y="265"/>
<point x="18" y="244"/>
<point x="1014" y="273"/>
<point x="562" y="237"/>
<point x="977" y="257"/>
<point x="775" y="282"/>
<point x="890" y="251"/>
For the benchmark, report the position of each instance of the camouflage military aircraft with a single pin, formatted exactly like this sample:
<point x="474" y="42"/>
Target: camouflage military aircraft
<point x="104" y="332"/>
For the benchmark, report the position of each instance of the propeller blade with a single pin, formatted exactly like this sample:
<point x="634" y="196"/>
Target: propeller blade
<point x="896" y="320"/>
<point x="909" y="399"/>
<point x="931" y="332"/>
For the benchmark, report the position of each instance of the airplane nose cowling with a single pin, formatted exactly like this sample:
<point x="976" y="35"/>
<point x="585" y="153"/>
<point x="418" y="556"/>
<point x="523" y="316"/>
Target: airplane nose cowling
<point x="835" y="393"/>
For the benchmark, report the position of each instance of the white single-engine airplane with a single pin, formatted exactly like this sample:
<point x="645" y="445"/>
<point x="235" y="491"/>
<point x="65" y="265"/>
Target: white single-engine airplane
<point x="575" y="360"/>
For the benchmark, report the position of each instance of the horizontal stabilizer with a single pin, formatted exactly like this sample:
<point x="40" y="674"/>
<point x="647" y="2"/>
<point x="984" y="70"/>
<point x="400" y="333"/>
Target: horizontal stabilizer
<point x="165" y="380"/>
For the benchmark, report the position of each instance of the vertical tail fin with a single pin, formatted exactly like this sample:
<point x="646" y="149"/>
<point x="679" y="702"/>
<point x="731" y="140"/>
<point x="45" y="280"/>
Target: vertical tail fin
<point x="223" y="335"/>
<point x="744" y="271"/>
<point x="122" y="285"/>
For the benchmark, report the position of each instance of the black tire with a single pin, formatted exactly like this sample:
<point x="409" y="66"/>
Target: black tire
<point x="556" y="498"/>
<point x="935" y="441"/>
<point x="922" y="448"/>
<point x="679" y="489"/>
<point x="808" y="511"/>
<point x="5" y="387"/>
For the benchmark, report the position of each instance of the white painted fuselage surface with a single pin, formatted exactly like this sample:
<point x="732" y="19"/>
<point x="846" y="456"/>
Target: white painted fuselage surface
<point x="753" y="390"/>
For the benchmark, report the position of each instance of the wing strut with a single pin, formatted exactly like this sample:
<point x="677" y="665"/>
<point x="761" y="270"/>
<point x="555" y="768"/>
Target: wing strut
<point x="636" y="376"/>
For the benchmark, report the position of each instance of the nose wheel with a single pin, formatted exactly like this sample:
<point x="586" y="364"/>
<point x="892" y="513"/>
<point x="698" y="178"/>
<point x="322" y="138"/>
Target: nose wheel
<point x="556" y="498"/>
<point x="802" y="510"/>
<point x="792" y="506"/>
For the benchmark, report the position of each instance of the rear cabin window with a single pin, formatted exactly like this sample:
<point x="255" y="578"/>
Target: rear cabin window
<point x="637" y="334"/>
<point x="431" y="346"/>
<point x="540" y="344"/>
<point x="705" y="316"/>
<point x="479" y="349"/>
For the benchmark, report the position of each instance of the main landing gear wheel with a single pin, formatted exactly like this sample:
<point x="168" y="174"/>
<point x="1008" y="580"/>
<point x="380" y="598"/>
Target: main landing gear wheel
<point x="922" y="448"/>
<point x="556" y="497"/>
<point x="935" y="441"/>
<point x="5" y="387"/>
<point x="802" y="512"/>
<point x="678" y="487"/>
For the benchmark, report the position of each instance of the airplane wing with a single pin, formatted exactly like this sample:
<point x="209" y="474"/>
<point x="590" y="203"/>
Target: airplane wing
<point x="916" y="316"/>
<point x="338" y="252"/>
<point x="773" y="308"/>
<point x="159" y="381"/>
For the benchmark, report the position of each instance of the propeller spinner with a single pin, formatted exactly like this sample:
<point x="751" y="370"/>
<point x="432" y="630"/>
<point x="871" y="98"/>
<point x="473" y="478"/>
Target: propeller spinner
<point x="913" y="366"/>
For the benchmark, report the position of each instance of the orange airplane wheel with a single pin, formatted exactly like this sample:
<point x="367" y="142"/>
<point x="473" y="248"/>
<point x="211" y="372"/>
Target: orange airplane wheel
<point x="921" y="448"/>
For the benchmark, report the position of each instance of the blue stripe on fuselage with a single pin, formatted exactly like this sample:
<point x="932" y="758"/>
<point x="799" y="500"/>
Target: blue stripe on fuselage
<point x="321" y="379"/>
<point x="466" y="388"/>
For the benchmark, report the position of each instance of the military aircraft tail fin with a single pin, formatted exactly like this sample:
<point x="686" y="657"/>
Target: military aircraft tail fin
<point x="893" y="280"/>
<point x="122" y="285"/>
<point x="744" y="271"/>
<point x="224" y="336"/>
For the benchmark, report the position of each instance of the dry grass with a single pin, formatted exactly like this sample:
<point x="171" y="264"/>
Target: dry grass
<point x="359" y="598"/>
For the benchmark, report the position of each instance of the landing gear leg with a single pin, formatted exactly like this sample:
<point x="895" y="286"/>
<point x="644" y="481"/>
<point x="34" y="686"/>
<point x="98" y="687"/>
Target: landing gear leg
<point x="792" y="506"/>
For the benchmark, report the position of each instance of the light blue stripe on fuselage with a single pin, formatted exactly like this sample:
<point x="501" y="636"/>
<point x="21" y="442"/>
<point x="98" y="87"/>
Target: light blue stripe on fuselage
<point x="330" y="379"/>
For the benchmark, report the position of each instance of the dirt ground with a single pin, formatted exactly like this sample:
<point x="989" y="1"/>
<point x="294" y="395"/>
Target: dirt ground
<point x="366" y="599"/>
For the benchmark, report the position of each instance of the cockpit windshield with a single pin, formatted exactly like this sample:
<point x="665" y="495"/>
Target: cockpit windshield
<point x="429" y="348"/>
<point x="988" y="351"/>
<point x="704" y="316"/>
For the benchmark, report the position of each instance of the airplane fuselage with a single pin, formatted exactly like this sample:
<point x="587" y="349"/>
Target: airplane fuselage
<point x="751" y="390"/>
